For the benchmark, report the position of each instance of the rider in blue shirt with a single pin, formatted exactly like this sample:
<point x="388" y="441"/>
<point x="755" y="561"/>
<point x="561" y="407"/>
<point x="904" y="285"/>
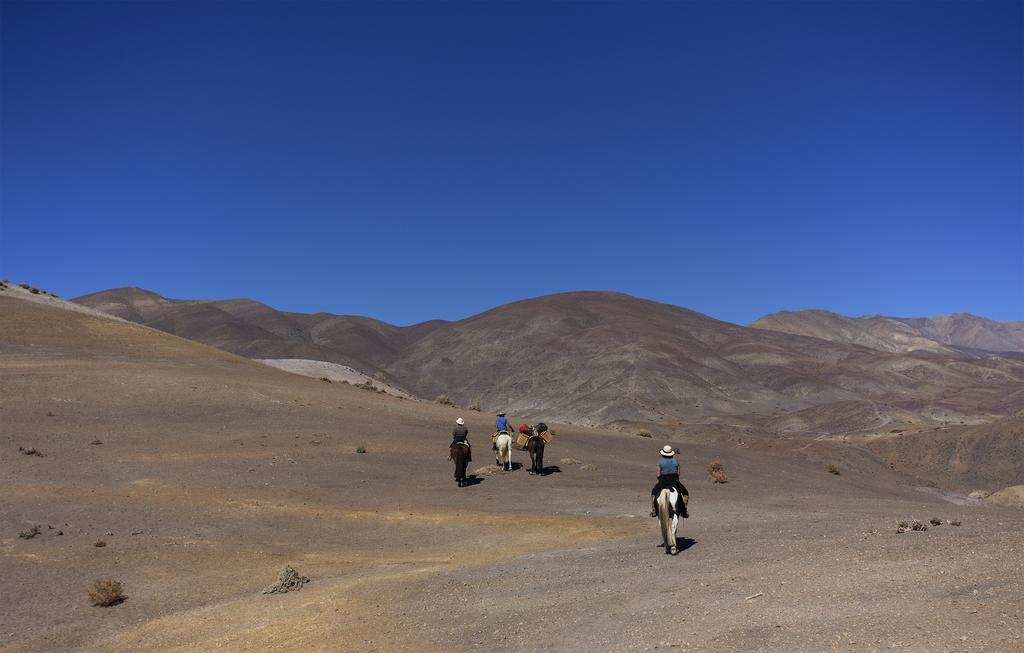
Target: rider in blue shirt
<point x="502" y="423"/>
<point x="668" y="477"/>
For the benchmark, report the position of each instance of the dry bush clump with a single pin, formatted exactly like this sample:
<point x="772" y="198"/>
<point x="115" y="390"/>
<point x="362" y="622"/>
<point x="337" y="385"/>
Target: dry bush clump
<point x="475" y="405"/>
<point x="99" y="544"/>
<point x="30" y="533"/>
<point x="107" y="593"/>
<point x="325" y="379"/>
<point x="906" y="527"/>
<point x="589" y="467"/>
<point x="644" y="434"/>
<point x="717" y="472"/>
<point x="31" y="451"/>
<point x="571" y="461"/>
<point x="935" y="521"/>
<point x="288" y="580"/>
<point x="381" y="376"/>
<point x="360" y="449"/>
<point x="832" y="469"/>
<point x="487" y="470"/>
<point x="443" y="400"/>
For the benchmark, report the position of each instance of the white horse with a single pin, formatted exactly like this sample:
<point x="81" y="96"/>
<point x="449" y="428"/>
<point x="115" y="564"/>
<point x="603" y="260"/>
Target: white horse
<point x="503" y="451"/>
<point x="668" y="518"/>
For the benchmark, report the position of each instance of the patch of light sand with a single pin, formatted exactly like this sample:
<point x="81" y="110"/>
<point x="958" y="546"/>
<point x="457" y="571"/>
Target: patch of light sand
<point x="333" y="371"/>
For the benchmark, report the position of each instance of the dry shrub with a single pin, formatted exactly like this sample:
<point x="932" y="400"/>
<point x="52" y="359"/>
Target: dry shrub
<point x="644" y="434"/>
<point x="360" y="449"/>
<point x="475" y="405"/>
<point x="99" y="544"/>
<point x="935" y="521"/>
<point x="30" y="533"/>
<point x="31" y="451"/>
<point x="106" y="593"/>
<point x="571" y="461"/>
<point x="905" y="527"/>
<point x="832" y="469"/>
<point x="589" y="467"/>
<point x="325" y="379"/>
<point x="288" y="580"/>
<point x="381" y="376"/>
<point x="443" y="400"/>
<point x="717" y="472"/>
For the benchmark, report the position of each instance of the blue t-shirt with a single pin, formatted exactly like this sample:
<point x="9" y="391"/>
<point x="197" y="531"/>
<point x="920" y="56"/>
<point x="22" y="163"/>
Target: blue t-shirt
<point x="502" y="424"/>
<point x="668" y="466"/>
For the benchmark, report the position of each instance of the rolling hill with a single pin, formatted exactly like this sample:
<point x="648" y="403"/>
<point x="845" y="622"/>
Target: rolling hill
<point x="942" y="333"/>
<point x="602" y="358"/>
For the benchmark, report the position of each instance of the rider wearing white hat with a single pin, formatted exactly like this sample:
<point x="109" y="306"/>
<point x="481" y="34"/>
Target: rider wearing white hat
<point x="668" y="477"/>
<point x="460" y="433"/>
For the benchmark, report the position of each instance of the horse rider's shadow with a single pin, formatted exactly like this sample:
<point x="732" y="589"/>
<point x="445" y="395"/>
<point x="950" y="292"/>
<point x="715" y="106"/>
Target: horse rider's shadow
<point x="473" y="479"/>
<point x="554" y="469"/>
<point x="516" y="466"/>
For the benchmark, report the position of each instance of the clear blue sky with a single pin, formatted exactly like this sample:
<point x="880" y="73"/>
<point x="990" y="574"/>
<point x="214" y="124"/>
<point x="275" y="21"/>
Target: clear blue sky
<point x="416" y="161"/>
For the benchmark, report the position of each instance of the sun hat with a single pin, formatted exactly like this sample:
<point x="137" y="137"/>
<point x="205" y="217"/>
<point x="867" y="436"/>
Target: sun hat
<point x="501" y="414"/>
<point x="460" y="421"/>
<point x="668" y="451"/>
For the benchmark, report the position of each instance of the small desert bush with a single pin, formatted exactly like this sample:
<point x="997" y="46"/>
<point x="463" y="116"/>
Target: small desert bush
<point x="106" y="593"/>
<point x="935" y="521"/>
<point x="30" y="533"/>
<point x="325" y="379"/>
<point x="34" y="291"/>
<point x="443" y="400"/>
<point x="644" y="434"/>
<point x="360" y="449"/>
<point x="832" y="469"/>
<point x="24" y="285"/>
<point x="905" y="527"/>
<point x="381" y="376"/>
<point x="99" y="544"/>
<point x="717" y="472"/>
<point x="475" y="405"/>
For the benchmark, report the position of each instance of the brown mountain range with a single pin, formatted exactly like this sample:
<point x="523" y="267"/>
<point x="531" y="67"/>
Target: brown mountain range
<point x="942" y="333"/>
<point x="607" y="358"/>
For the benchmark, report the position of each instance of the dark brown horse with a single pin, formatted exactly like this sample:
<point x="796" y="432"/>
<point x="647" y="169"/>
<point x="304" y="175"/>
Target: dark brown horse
<point x="535" y="445"/>
<point x="460" y="454"/>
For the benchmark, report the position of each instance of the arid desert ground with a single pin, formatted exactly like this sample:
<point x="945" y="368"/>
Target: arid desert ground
<point x="205" y="473"/>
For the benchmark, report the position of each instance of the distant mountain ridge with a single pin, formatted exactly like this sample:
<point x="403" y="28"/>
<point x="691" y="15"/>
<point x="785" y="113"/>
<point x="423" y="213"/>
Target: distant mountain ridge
<point x="255" y="330"/>
<point x="941" y="333"/>
<point x="605" y="358"/>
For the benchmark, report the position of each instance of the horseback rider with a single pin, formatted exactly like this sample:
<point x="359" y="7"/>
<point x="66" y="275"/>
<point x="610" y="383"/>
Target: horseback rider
<point x="460" y="435"/>
<point x="500" y="425"/>
<point x="668" y="477"/>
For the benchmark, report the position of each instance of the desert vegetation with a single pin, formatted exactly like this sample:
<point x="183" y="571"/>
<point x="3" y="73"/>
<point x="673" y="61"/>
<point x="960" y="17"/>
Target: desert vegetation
<point x="643" y="434"/>
<point x="717" y="471"/>
<point x="444" y="400"/>
<point x="833" y="469"/>
<point x="107" y="593"/>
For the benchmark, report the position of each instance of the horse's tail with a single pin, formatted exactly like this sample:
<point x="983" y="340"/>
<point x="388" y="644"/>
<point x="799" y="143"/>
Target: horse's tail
<point x="666" y="512"/>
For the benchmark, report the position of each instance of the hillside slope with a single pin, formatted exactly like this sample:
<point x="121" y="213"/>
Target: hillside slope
<point x="601" y="358"/>
<point x="942" y="333"/>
